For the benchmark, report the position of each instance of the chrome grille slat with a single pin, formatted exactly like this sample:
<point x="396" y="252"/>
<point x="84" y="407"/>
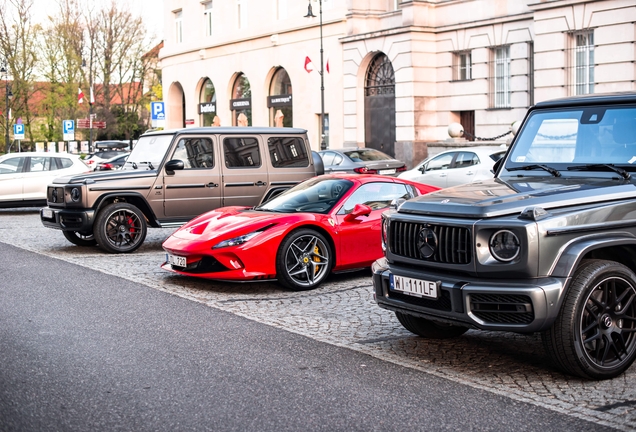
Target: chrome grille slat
<point x="453" y="242"/>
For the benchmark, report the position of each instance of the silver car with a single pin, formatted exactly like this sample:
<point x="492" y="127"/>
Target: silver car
<point x="361" y="161"/>
<point x="457" y="166"/>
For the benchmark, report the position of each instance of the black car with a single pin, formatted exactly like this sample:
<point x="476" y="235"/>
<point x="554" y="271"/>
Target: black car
<point x="361" y="161"/>
<point x="112" y="163"/>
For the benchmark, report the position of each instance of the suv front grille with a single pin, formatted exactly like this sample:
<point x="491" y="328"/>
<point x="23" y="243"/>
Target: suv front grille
<point x="502" y="308"/>
<point x="453" y="247"/>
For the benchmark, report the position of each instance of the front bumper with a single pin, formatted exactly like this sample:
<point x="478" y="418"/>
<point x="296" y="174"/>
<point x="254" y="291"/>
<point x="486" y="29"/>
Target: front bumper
<point x="68" y="220"/>
<point x="519" y="305"/>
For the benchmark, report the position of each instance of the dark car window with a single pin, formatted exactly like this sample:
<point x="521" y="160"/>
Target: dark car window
<point x="366" y="155"/>
<point x="288" y="152"/>
<point x="195" y="153"/>
<point x="440" y="162"/>
<point x="241" y="153"/>
<point x="11" y="165"/>
<point x="466" y="159"/>
<point x="318" y="195"/>
<point x="376" y="195"/>
<point x="62" y="163"/>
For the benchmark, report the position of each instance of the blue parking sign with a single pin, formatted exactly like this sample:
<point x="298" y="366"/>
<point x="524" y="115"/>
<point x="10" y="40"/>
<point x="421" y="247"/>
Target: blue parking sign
<point x="158" y="112"/>
<point x="18" y="131"/>
<point x="68" y="128"/>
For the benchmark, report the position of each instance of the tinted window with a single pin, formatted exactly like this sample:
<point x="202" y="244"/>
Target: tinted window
<point x="376" y="195"/>
<point x="288" y="152"/>
<point x="64" y="163"/>
<point x="11" y="165"/>
<point x="440" y="162"/>
<point x="195" y="153"/>
<point x="241" y="153"/>
<point x="466" y="159"/>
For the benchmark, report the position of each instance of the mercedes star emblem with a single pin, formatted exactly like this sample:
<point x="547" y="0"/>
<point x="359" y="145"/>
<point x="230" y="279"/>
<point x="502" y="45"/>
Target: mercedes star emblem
<point x="427" y="242"/>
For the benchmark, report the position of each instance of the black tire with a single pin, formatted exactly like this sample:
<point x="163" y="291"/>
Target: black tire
<point x="304" y="260"/>
<point x="594" y="335"/>
<point x="120" y="228"/>
<point x="429" y="329"/>
<point x="80" y="239"/>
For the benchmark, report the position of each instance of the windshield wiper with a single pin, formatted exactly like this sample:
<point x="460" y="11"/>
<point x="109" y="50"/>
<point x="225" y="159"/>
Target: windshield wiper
<point x="593" y="167"/>
<point x="551" y="170"/>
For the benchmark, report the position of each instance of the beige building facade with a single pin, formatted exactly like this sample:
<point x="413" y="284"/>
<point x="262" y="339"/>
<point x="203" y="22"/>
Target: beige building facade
<point x="396" y="73"/>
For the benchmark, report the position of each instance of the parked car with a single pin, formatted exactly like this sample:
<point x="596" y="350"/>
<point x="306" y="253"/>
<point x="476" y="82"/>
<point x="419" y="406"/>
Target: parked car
<point x="25" y="176"/>
<point x="548" y="245"/>
<point x="327" y="223"/>
<point x="360" y="161"/>
<point x="457" y="166"/>
<point x="171" y="176"/>
<point x="113" y="163"/>
<point x="105" y="150"/>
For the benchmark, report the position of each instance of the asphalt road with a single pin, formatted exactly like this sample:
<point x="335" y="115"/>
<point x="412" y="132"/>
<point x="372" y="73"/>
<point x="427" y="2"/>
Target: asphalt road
<point x="82" y="350"/>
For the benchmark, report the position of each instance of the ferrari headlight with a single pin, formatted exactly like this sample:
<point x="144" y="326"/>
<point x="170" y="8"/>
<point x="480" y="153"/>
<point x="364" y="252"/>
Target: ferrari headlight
<point x="504" y="245"/>
<point x="236" y="240"/>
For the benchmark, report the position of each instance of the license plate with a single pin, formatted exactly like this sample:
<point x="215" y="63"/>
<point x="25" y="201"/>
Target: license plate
<point x="176" y="260"/>
<point x="414" y="287"/>
<point x="47" y="213"/>
<point x="387" y="171"/>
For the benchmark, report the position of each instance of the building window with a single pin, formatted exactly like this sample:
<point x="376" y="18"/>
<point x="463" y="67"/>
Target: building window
<point x="281" y="9"/>
<point x="242" y="13"/>
<point x="500" y="77"/>
<point x="207" y="104"/>
<point x="241" y="102"/>
<point x="583" y="62"/>
<point x="207" y="17"/>
<point x="178" y="26"/>
<point x="279" y="101"/>
<point x="462" y="66"/>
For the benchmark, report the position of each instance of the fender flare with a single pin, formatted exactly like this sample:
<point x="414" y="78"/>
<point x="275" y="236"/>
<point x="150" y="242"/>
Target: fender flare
<point x="137" y="199"/>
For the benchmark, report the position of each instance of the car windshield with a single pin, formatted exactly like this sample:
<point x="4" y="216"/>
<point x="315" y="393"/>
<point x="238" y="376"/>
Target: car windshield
<point x="317" y="195"/>
<point x="148" y="152"/>
<point x="366" y="155"/>
<point x="580" y="139"/>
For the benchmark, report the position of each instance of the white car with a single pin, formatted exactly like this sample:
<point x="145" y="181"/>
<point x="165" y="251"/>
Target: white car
<point x="25" y="176"/>
<point x="457" y="166"/>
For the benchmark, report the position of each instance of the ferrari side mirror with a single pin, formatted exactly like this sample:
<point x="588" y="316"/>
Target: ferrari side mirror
<point x="358" y="210"/>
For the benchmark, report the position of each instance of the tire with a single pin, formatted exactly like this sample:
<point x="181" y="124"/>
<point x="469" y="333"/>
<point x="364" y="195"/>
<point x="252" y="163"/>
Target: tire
<point x="304" y="260"/>
<point x="80" y="239"/>
<point x="429" y="329"/>
<point x="594" y="336"/>
<point x="120" y="228"/>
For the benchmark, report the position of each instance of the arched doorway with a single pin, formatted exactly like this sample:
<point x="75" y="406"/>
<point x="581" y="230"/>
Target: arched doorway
<point x="379" y="105"/>
<point x="241" y="102"/>
<point x="279" y="100"/>
<point x="176" y="107"/>
<point x="207" y="103"/>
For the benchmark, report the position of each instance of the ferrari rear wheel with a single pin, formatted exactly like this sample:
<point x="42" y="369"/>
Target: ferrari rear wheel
<point x="304" y="260"/>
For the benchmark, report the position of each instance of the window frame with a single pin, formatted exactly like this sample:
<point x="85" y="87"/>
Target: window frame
<point x="462" y="72"/>
<point x="500" y="73"/>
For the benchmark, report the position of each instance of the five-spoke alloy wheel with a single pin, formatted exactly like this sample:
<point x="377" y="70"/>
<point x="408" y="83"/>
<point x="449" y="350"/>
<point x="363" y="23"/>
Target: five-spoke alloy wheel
<point x="120" y="228"/>
<point x="595" y="333"/>
<point x="304" y="260"/>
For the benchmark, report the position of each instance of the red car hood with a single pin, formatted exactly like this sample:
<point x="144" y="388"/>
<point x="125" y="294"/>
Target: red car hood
<point x="222" y="222"/>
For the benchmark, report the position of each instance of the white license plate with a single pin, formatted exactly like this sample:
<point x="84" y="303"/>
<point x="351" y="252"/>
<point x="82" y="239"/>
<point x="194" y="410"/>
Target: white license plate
<point x="387" y="171"/>
<point x="414" y="287"/>
<point x="47" y="213"/>
<point x="176" y="260"/>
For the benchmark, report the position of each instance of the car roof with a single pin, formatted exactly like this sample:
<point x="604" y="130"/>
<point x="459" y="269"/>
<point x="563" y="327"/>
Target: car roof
<point x="40" y="154"/>
<point x="228" y="130"/>
<point x="589" y="99"/>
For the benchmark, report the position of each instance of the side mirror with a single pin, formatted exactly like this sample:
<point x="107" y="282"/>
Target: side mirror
<point x="319" y="166"/>
<point x="358" y="210"/>
<point x="174" y="165"/>
<point x="422" y="169"/>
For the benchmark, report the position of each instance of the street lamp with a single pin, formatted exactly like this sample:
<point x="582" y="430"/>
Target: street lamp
<point x="323" y="144"/>
<point x="90" y="104"/>
<point x="7" y="95"/>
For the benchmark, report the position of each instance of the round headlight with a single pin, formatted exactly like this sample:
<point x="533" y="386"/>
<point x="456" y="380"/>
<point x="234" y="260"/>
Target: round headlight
<point x="504" y="245"/>
<point x="75" y="194"/>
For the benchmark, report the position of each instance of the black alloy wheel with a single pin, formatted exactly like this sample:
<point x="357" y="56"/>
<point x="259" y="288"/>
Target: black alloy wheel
<point x="594" y="336"/>
<point x="120" y="228"/>
<point x="80" y="239"/>
<point x="304" y="260"/>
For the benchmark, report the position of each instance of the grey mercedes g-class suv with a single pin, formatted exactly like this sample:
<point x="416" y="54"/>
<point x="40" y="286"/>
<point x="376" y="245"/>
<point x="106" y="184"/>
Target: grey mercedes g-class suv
<point x="548" y="245"/>
<point x="174" y="175"/>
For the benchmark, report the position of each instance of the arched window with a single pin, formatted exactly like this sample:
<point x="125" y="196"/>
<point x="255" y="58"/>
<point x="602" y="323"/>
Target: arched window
<point x="241" y="103"/>
<point x="279" y="101"/>
<point x="207" y="103"/>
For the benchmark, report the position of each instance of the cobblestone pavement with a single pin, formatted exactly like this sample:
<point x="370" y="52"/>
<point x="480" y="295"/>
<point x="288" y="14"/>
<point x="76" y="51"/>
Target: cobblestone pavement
<point x="342" y="312"/>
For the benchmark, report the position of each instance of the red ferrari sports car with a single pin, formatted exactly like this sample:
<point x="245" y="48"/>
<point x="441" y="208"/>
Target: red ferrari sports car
<point x="327" y="223"/>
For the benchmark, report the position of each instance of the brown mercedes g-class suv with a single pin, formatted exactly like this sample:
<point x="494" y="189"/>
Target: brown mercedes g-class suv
<point x="172" y="176"/>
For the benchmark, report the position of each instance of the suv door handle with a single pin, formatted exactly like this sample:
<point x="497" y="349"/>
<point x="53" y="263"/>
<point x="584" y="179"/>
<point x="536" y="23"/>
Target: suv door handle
<point x="261" y="183"/>
<point x="212" y="185"/>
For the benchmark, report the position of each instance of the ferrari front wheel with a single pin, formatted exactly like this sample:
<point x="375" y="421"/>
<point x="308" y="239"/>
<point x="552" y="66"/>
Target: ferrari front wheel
<point x="304" y="260"/>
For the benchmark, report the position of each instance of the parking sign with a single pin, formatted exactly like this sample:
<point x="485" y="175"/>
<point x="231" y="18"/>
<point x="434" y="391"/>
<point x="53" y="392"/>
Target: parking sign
<point x="68" y="128"/>
<point x="18" y="131"/>
<point x="157" y="114"/>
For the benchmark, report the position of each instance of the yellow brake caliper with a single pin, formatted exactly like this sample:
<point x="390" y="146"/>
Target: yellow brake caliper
<point x="316" y="257"/>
